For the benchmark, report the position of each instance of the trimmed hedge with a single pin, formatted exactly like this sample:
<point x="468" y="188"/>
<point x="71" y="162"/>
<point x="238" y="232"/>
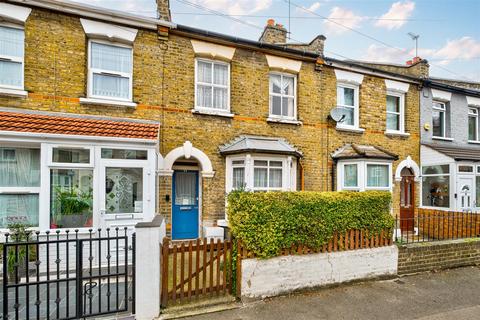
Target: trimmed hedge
<point x="267" y="222"/>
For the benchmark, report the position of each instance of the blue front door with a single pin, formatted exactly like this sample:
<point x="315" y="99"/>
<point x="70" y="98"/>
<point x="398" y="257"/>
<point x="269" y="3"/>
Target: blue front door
<point x="185" y="205"/>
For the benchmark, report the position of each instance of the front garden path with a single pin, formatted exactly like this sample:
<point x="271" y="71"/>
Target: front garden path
<point x="450" y="294"/>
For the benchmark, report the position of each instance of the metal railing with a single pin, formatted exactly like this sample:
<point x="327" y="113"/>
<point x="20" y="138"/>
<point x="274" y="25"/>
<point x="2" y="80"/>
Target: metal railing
<point x="434" y="225"/>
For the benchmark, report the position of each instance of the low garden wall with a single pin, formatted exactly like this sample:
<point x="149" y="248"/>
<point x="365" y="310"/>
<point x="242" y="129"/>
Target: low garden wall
<point x="270" y="277"/>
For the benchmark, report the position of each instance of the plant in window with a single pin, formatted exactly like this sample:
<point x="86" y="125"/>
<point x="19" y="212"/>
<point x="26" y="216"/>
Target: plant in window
<point x="73" y="207"/>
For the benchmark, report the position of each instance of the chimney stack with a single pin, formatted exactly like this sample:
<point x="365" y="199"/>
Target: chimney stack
<point x="273" y="33"/>
<point x="163" y="10"/>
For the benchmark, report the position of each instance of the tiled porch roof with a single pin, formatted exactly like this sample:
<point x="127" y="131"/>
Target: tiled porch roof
<point x="465" y="154"/>
<point x="78" y="125"/>
<point x="357" y="151"/>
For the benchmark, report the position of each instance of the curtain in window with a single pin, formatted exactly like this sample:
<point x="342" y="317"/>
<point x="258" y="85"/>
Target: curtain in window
<point x="204" y="96"/>
<point x="204" y="72"/>
<point x="275" y="180"/>
<point x="260" y="176"/>
<point x="275" y="83"/>
<point x="112" y="58"/>
<point x="377" y="176"/>
<point x="345" y="96"/>
<point x="350" y="175"/>
<point x="11" y="73"/>
<point x="111" y="86"/>
<point x="238" y="179"/>
<point x="185" y="188"/>
<point x="287" y="86"/>
<point x="287" y="106"/>
<point x="393" y="121"/>
<point x="11" y="42"/>
<point x="220" y="74"/>
<point x="220" y="98"/>
<point x="18" y="208"/>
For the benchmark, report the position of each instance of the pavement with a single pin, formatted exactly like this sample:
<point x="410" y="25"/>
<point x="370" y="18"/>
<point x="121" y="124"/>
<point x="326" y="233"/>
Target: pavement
<point x="446" y="295"/>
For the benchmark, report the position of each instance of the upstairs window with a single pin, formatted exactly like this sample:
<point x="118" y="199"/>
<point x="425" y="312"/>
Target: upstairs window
<point x="110" y="71"/>
<point x="473" y="124"/>
<point x="395" y="113"/>
<point x="212" y="85"/>
<point x="11" y="57"/>
<point x="439" y="119"/>
<point x="282" y="96"/>
<point x="347" y="100"/>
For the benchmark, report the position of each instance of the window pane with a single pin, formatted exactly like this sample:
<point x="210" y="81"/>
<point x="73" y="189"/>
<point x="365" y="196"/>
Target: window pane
<point x="238" y="162"/>
<point x="21" y="208"/>
<point x="64" y="155"/>
<point x="185" y="188"/>
<point x="393" y="121"/>
<point x="260" y="177"/>
<point x="262" y="163"/>
<point x="350" y="175"/>
<point x="220" y="74"/>
<point x="441" y="169"/>
<point x="288" y="85"/>
<point x="220" y="98"/>
<point x="477" y="184"/>
<point x="465" y="169"/>
<point x="276" y="102"/>
<point x="275" y="83"/>
<point x="472" y="128"/>
<point x="124" y="190"/>
<point x="71" y="198"/>
<point x="11" y="73"/>
<point x="287" y="107"/>
<point x="124" y="154"/>
<point x="11" y="42"/>
<point x="435" y="191"/>
<point x="438" y="119"/>
<point x="377" y="176"/>
<point x="111" y="86"/>
<point x="19" y="167"/>
<point x="349" y="116"/>
<point x="393" y="104"/>
<point x="345" y="96"/>
<point x="275" y="180"/>
<point x="238" y="179"/>
<point x="276" y="164"/>
<point x="204" y="72"/>
<point x="204" y="96"/>
<point x="111" y="58"/>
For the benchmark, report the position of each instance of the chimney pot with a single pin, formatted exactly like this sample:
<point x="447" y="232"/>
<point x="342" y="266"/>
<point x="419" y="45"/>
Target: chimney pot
<point x="273" y="33"/>
<point x="271" y="22"/>
<point x="409" y="62"/>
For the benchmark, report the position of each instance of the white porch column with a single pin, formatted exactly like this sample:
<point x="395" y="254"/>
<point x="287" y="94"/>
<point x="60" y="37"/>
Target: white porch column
<point x="149" y="236"/>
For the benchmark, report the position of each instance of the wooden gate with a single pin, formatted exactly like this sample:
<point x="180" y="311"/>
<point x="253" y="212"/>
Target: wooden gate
<point x="195" y="269"/>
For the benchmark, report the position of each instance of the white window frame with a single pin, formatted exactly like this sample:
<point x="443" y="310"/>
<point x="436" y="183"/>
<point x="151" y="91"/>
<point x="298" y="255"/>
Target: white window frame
<point x="51" y="163"/>
<point x="15" y="59"/>
<point x="362" y="174"/>
<point x="212" y="109"/>
<point x="234" y="165"/>
<point x="473" y="113"/>
<point x="355" y="107"/>
<point x="24" y="190"/>
<point x="451" y="184"/>
<point x="444" y="110"/>
<point x="281" y="95"/>
<point x="268" y="167"/>
<point x="401" y="113"/>
<point x="92" y="71"/>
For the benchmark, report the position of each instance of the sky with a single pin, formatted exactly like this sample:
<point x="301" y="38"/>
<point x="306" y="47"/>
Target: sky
<point x="370" y="30"/>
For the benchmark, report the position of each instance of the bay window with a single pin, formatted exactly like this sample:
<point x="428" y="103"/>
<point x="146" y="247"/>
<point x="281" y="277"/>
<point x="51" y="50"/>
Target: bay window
<point x="267" y="175"/>
<point x="378" y="176"/>
<point x="350" y="176"/>
<point x="238" y="174"/>
<point x="212" y="85"/>
<point x="110" y="71"/>
<point x="395" y="112"/>
<point x="11" y="57"/>
<point x="19" y="186"/>
<point x="283" y="96"/>
<point x="347" y="100"/>
<point x="364" y="174"/>
<point x="439" y="119"/>
<point x="473" y="124"/>
<point x="436" y="186"/>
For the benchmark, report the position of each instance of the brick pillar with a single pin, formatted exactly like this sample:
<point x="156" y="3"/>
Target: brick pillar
<point x="163" y="10"/>
<point x="165" y="207"/>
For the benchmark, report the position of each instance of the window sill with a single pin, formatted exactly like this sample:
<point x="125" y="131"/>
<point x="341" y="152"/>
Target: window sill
<point x="286" y="121"/>
<point x="442" y="138"/>
<point x="353" y="130"/>
<point x="13" y="92"/>
<point x="473" y="141"/>
<point x="213" y="113"/>
<point x="106" y="102"/>
<point x="397" y="133"/>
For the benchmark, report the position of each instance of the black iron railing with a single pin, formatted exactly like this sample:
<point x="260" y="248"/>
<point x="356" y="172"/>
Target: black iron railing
<point x="68" y="275"/>
<point x="435" y="225"/>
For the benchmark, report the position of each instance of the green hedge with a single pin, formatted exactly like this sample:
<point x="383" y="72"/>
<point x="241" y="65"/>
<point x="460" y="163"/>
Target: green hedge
<point x="267" y="222"/>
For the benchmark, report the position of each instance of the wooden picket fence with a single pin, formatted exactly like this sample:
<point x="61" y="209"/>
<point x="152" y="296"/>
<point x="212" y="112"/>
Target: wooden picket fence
<point x="195" y="269"/>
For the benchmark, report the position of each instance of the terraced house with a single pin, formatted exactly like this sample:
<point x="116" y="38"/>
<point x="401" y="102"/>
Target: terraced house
<point x="133" y="116"/>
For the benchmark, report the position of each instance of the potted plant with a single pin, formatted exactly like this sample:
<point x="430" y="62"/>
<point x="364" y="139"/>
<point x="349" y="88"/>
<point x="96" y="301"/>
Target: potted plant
<point x="17" y="257"/>
<point x="73" y="207"/>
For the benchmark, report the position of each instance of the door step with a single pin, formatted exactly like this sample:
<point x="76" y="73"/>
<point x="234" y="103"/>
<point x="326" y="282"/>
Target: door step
<point x="204" y="306"/>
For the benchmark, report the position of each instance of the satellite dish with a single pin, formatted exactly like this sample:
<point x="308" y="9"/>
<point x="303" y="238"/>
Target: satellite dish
<point x="337" y="114"/>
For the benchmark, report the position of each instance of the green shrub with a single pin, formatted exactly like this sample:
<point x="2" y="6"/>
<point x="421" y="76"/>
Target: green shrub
<point x="267" y="222"/>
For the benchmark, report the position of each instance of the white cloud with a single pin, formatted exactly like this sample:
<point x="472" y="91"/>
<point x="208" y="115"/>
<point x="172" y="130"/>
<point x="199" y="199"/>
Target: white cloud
<point x="463" y="48"/>
<point x="377" y="53"/>
<point x="338" y="17"/>
<point x="234" y="7"/>
<point x="394" y="18"/>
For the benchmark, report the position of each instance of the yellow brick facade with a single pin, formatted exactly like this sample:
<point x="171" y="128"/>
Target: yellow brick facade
<point x="163" y="87"/>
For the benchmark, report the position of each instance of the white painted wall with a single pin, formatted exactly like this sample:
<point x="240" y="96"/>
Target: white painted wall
<point x="280" y="275"/>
